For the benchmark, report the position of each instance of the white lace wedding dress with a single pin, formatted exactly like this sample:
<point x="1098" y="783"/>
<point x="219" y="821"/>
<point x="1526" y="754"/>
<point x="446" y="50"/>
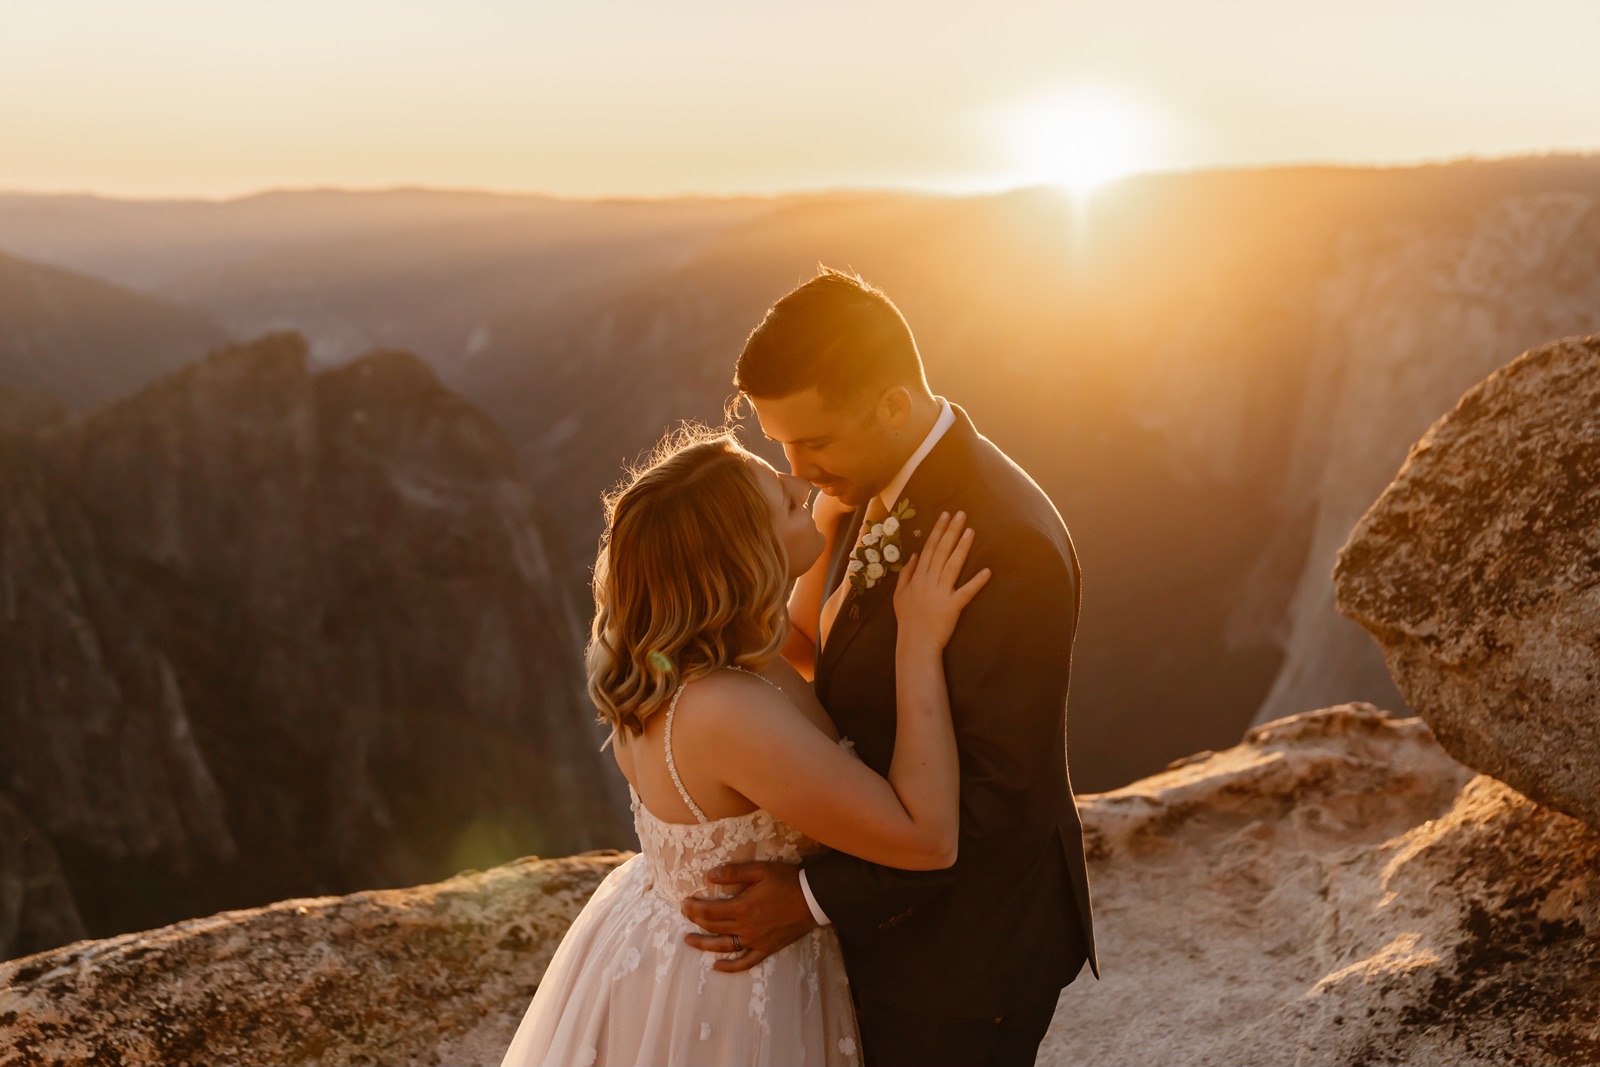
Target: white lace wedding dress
<point x="624" y="987"/>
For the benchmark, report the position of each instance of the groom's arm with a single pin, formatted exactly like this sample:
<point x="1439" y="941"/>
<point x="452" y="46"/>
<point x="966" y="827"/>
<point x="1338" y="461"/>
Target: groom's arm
<point x="1007" y="667"/>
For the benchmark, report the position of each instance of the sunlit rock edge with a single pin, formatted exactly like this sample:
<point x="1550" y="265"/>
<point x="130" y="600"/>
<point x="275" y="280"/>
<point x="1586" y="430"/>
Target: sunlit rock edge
<point x="1334" y="889"/>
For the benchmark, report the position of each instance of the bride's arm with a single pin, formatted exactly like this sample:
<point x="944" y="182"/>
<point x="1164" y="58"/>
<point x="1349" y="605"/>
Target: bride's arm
<point x="779" y="761"/>
<point x="805" y="600"/>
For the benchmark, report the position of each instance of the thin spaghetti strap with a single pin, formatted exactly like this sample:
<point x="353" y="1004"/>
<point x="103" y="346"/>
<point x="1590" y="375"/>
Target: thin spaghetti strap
<point x="672" y="766"/>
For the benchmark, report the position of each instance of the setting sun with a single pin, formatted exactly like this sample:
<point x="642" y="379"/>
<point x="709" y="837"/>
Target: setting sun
<point x="1080" y="141"/>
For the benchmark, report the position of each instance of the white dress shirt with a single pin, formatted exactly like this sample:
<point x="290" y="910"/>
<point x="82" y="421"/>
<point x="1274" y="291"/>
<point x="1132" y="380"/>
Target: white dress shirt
<point x="888" y="498"/>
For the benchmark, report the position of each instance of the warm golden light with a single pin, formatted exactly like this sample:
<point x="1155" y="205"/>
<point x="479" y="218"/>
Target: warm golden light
<point x="1079" y="141"/>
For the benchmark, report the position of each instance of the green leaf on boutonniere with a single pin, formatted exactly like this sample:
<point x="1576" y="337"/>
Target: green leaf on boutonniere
<point x="878" y="553"/>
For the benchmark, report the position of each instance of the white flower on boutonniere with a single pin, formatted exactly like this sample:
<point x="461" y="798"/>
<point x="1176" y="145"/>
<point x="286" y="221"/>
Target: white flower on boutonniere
<point x="878" y="552"/>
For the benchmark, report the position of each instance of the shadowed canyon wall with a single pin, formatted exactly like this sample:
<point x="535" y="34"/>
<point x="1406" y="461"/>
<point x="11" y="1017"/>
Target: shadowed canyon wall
<point x="265" y="632"/>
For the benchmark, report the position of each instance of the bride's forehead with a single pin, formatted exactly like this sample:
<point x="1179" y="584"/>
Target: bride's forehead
<point x="765" y="473"/>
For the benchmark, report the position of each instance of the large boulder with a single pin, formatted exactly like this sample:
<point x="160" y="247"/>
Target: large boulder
<point x="1478" y="571"/>
<point x="1335" y="890"/>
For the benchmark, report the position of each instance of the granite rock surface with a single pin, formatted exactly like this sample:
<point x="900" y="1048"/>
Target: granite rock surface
<point x="1478" y="572"/>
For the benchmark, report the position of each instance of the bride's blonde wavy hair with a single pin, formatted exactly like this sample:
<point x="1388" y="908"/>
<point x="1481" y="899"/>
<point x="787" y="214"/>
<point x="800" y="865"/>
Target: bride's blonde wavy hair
<point x="691" y="576"/>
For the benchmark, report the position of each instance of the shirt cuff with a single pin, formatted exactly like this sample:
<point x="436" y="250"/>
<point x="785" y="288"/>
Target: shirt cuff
<point x="811" y="902"/>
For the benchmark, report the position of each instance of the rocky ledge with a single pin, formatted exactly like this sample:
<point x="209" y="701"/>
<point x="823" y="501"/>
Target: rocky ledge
<point x="433" y="974"/>
<point x="1334" y="890"/>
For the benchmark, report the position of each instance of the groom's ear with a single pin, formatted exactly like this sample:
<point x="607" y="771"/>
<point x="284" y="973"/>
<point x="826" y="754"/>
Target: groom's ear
<point x="894" y="406"/>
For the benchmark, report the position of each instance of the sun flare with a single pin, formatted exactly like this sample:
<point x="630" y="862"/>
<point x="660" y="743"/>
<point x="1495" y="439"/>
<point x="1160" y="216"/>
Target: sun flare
<point x="1079" y="141"/>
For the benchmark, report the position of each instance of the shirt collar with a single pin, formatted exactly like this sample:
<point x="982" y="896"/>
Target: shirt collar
<point x="891" y="492"/>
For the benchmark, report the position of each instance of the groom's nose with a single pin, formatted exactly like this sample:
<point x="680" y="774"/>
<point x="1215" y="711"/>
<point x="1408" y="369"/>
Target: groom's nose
<point x="800" y="464"/>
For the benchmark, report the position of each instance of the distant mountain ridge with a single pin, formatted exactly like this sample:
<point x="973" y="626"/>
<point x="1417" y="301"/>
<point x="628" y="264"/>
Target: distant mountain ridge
<point x="145" y="243"/>
<point x="414" y="268"/>
<point x="84" y="341"/>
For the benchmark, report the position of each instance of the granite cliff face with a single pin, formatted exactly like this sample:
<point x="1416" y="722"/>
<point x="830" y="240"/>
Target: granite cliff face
<point x="266" y="633"/>
<point x="1406" y="322"/>
<point x="37" y="911"/>
<point x="1335" y="890"/>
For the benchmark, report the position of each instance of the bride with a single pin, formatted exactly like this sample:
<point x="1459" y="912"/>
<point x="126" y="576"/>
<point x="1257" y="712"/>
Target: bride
<point x="730" y="757"/>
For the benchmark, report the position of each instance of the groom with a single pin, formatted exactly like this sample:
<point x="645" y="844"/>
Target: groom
<point x="960" y="966"/>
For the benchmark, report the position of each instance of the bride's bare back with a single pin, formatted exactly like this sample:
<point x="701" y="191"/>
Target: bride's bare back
<point x="642" y="757"/>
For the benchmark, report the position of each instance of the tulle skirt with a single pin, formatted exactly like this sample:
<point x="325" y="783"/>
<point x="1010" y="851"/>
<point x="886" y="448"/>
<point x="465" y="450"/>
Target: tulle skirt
<point x="624" y="989"/>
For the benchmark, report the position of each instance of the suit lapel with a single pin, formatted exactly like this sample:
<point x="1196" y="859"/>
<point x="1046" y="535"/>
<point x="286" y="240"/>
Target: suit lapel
<point x="844" y="543"/>
<point x="853" y="614"/>
<point x="932" y="486"/>
<point x="843" y="546"/>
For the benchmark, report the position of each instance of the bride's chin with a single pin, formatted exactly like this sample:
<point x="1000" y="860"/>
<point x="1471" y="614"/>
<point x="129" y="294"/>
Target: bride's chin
<point x="801" y="565"/>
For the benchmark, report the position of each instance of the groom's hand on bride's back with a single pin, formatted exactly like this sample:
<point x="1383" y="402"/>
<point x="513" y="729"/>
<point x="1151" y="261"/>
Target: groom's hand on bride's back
<point x="767" y="912"/>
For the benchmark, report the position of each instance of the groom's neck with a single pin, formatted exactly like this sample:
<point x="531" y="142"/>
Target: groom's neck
<point x="924" y="413"/>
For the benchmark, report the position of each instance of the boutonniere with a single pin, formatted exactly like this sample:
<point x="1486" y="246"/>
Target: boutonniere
<point x="878" y="551"/>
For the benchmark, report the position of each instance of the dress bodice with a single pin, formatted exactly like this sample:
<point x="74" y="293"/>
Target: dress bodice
<point x="679" y="855"/>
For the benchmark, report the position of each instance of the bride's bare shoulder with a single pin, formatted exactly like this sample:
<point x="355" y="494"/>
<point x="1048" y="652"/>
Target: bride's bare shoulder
<point x="735" y="708"/>
<point x="725" y="693"/>
<point x="727" y="703"/>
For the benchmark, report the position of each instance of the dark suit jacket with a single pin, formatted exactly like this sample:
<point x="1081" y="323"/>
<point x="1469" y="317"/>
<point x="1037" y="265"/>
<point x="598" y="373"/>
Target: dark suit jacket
<point x="1010" y="922"/>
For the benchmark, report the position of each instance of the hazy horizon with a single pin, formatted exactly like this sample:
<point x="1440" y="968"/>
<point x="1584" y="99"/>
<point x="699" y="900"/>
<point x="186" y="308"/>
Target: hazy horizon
<point x="779" y="193"/>
<point x="182" y="100"/>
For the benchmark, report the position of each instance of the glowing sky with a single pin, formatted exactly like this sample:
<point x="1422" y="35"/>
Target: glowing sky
<point x="586" y="97"/>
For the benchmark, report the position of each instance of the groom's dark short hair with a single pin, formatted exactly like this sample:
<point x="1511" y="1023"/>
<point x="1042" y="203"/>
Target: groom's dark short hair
<point x="836" y="333"/>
